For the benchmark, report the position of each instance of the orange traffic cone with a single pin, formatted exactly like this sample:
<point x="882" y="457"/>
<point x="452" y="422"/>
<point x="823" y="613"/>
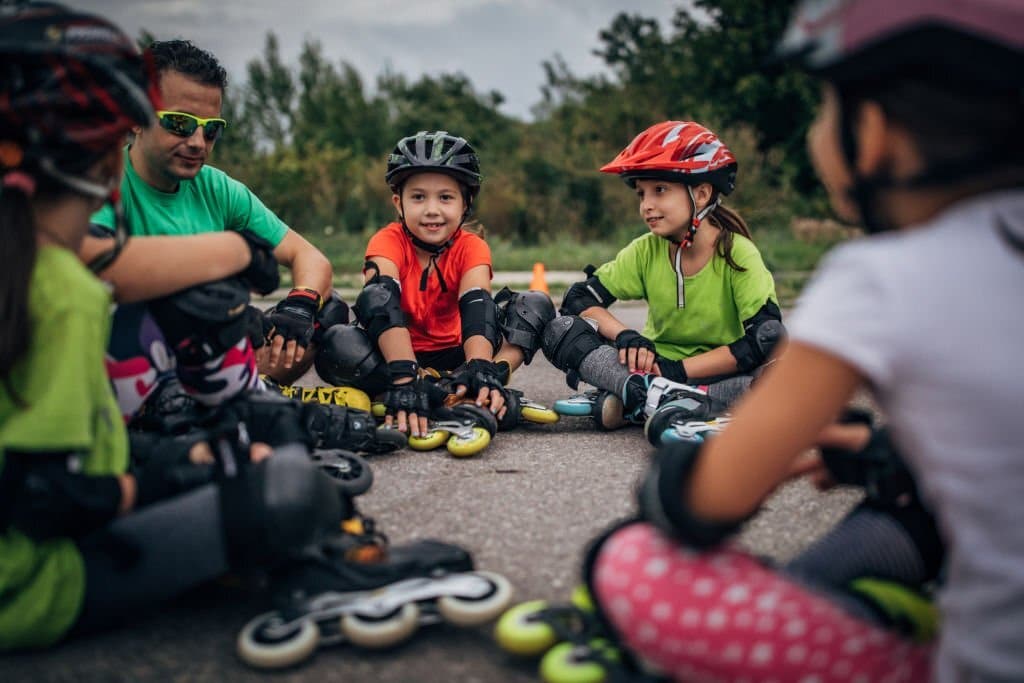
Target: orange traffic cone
<point x="539" y="281"/>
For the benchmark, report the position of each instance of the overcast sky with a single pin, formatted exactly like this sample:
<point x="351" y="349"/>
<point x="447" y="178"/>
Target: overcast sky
<point x="498" y="44"/>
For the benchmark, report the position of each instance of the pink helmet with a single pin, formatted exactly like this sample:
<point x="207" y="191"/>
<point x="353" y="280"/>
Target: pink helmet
<point x="844" y="40"/>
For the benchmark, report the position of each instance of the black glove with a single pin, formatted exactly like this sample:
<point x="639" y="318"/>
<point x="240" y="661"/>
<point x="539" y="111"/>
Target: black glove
<point x="163" y="469"/>
<point x="629" y="339"/>
<point x="420" y="396"/>
<point x="261" y="275"/>
<point x="294" y="317"/>
<point x="477" y="374"/>
<point x="660" y="499"/>
<point x="672" y="369"/>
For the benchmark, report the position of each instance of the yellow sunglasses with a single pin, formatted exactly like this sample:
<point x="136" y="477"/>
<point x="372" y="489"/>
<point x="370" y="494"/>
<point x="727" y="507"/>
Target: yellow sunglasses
<point x="180" y="123"/>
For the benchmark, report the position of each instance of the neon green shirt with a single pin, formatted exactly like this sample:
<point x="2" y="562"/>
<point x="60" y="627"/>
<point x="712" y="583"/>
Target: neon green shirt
<point x="210" y="202"/>
<point x="69" y="406"/>
<point x="718" y="298"/>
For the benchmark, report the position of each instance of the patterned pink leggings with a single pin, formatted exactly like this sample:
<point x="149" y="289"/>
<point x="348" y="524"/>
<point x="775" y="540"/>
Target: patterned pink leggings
<point x="722" y="616"/>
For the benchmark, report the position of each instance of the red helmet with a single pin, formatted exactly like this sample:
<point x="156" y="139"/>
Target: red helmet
<point x="71" y="86"/>
<point x="679" y="152"/>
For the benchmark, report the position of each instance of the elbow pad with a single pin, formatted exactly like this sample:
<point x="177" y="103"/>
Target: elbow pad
<point x="479" y="316"/>
<point x="379" y="306"/>
<point x="762" y="333"/>
<point x="50" y="498"/>
<point x="661" y="503"/>
<point x="584" y="295"/>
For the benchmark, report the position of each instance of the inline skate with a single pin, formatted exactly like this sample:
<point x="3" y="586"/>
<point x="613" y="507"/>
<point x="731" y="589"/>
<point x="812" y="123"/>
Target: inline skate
<point x="573" y="645"/>
<point x="327" y="598"/>
<point x="328" y="395"/>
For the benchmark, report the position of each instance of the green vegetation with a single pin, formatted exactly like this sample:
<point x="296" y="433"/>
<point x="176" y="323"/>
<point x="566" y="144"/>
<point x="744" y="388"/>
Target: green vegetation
<point x="311" y="139"/>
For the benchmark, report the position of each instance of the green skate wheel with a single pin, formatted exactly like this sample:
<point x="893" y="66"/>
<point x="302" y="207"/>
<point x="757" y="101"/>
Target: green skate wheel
<point x="577" y="662"/>
<point x="462" y="448"/>
<point x="379" y="410"/>
<point x="433" y="439"/>
<point x="521" y="631"/>
<point x="265" y="643"/>
<point x="581" y="598"/>
<point x="538" y="414"/>
<point x="580" y="405"/>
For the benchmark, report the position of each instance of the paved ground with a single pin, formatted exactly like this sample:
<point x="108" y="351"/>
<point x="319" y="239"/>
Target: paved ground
<point x="525" y="508"/>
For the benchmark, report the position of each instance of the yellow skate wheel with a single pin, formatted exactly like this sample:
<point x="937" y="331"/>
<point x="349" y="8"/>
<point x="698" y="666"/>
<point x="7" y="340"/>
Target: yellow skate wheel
<point x="351" y="397"/>
<point x="462" y="448"/>
<point x="521" y="632"/>
<point x="432" y="440"/>
<point x="379" y="410"/>
<point x="538" y="414"/>
<point x="581" y="598"/>
<point x="573" y="663"/>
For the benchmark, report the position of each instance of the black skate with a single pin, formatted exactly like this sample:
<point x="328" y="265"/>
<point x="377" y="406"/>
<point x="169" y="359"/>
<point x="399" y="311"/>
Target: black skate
<point x="334" y="426"/>
<point x="328" y="599"/>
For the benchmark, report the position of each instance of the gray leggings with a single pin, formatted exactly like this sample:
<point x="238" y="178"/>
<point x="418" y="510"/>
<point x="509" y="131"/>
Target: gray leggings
<point x="151" y="556"/>
<point x="602" y="369"/>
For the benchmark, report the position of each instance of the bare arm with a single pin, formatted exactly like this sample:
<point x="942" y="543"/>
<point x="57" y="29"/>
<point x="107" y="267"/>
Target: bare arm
<point x="782" y="416"/>
<point x="151" y="267"/>
<point x="309" y="267"/>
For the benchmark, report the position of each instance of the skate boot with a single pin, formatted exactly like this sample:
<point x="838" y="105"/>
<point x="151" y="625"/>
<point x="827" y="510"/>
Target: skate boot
<point x="608" y="410"/>
<point x="328" y="598"/>
<point x="334" y="426"/>
<point x="169" y="410"/>
<point x="572" y="644"/>
<point x="680" y="412"/>
<point x="337" y="396"/>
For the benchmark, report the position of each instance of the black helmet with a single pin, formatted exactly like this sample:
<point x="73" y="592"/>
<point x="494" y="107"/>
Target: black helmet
<point x="71" y="85"/>
<point x="850" y="40"/>
<point x="437" y="152"/>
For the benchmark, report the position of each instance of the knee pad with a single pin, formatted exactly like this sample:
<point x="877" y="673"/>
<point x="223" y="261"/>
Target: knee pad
<point x="479" y="316"/>
<point x="523" y="317"/>
<point x="379" y="306"/>
<point x="567" y="340"/>
<point x="347" y="358"/>
<point x="333" y="312"/>
<point x="202" y="322"/>
<point x="276" y="507"/>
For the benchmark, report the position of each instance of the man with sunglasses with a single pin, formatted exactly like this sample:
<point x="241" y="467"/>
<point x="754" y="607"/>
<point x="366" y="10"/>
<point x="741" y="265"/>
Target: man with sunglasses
<point x="169" y="190"/>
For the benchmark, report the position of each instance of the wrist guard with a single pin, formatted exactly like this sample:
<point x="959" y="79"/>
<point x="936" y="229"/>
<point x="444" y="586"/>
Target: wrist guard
<point x="629" y="339"/>
<point x="661" y="502"/>
<point x="293" y="318"/>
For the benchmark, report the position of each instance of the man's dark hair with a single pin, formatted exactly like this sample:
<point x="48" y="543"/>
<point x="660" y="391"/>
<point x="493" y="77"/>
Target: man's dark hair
<point x="187" y="59"/>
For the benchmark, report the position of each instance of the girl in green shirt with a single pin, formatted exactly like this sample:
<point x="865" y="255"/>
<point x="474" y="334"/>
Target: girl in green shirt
<point x="713" y="315"/>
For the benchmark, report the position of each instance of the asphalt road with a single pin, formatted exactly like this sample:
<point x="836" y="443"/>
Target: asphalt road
<point x="525" y="507"/>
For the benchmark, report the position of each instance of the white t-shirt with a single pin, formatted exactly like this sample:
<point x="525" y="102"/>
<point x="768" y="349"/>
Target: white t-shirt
<point x="934" y="318"/>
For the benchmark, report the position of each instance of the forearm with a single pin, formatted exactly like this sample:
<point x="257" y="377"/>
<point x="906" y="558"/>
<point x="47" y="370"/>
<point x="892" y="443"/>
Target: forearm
<point x="717" y="361"/>
<point x="312" y="269"/>
<point x="608" y="326"/>
<point x="477" y="346"/>
<point x="152" y="267"/>
<point x="396" y="344"/>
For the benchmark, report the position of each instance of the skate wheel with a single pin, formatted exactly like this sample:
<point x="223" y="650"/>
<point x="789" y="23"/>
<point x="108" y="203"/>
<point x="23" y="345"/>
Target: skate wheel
<point x="576" y="663"/>
<point x="383" y="632"/>
<point x="660" y="423"/>
<point x="538" y="414"/>
<point x="351" y="397"/>
<point x="386" y="440"/>
<point x="521" y="631"/>
<point x="379" y="410"/>
<point x="483" y="417"/>
<point x="461" y="610"/>
<point x="462" y="448"/>
<point x="579" y="405"/>
<point x="433" y="439"/>
<point x="351" y="471"/>
<point x="264" y="643"/>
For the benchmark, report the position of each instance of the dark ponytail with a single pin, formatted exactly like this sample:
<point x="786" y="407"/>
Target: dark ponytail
<point x="729" y="222"/>
<point x="18" y="254"/>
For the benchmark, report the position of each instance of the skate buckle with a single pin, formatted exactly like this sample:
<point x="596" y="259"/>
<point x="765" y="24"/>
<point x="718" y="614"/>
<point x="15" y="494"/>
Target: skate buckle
<point x="661" y="387"/>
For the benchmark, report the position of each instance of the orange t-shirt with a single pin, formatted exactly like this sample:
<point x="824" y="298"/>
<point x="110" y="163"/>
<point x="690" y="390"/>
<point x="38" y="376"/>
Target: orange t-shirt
<point x="432" y="315"/>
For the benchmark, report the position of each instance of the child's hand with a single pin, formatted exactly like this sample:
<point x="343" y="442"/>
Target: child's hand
<point x="636" y="351"/>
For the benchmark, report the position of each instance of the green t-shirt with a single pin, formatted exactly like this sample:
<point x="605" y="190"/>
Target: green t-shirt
<point x="718" y="298"/>
<point x="68" y="406"/>
<point x="210" y="202"/>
